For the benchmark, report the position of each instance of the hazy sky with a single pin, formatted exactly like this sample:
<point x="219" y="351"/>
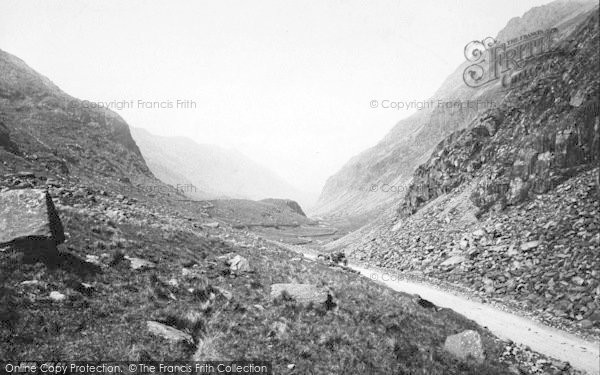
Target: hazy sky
<point x="288" y="83"/>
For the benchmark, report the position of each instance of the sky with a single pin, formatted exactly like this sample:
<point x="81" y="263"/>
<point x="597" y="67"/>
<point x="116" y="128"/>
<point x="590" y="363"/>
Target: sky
<point x="287" y="83"/>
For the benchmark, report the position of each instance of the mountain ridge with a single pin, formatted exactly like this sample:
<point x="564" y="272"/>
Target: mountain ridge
<point x="392" y="161"/>
<point x="214" y="171"/>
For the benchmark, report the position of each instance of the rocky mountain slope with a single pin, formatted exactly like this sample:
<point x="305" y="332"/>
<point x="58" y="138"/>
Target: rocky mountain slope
<point x="43" y="128"/>
<point x="359" y="188"/>
<point x="508" y="208"/>
<point x="215" y="172"/>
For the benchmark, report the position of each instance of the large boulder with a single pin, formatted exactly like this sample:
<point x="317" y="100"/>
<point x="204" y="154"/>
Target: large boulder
<point x="303" y="293"/>
<point x="168" y="333"/>
<point x="464" y="345"/>
<point x="29" y="215"/>
<point x="239" y="264"/>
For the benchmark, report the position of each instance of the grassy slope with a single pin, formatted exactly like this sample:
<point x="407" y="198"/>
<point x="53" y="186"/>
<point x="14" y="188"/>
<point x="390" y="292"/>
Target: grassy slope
<point x="372" y="329"/>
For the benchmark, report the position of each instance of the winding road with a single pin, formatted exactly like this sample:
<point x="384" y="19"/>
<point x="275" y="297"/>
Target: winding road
<point x="581" y="354"/>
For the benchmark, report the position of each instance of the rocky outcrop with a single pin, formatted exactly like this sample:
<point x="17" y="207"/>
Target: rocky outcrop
<point x="393" y="160"/>
<point x="465" y="345"/>
<point x="29" y="215"/>
<point x="168" y="333"/>
<point x="302" y="293"/>
<point x="542" y="134"/>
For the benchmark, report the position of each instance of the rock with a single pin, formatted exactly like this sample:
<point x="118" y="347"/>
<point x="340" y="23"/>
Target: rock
<point x="529" y="245"/>
<point x="464" y="345"/>
<point x="595" y="316"/>
<point x="424" y="303"/>
<point x="29" y="215"/>
<point x="52" y="182"/>
<point x="303" y="293"/>
<point x="586" y="323"/>
<point x="137" y="263"/>
<point x="578" y="280"/>
<point x="278" y="330"/>
<point x="239" y="264"/>
<point x="227" y="257"/>
<point x="512" y="251"/>
<point x="225" y="293"/>
<point x="169" y="333"/>
<point x="577" y="99"/>
<point x="93" y="259"/>
<point x="479" y="233"/>
<point x="453" y="260"/>
<point x="211" y="225"/>
<point x="30" y="282"/>
<point x="57" y="296"/>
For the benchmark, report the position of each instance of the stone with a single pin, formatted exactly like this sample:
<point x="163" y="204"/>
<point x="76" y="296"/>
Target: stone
<point x="239" y="264"/>
<point x="578" y="280"/>
<point x="211" y="225"/>
<point x="226" y="257"/>
<point x="224" y="292"/>
<point x="479" y="233"/>
<point x="278" y="330"/>
<point x="138" y="264"/>
<point x="465" y="345"/>
<point x="30" y="282"/>
<point x="453" y="260"/>
<point x="512" y="251"/>
<point x="169" y="333"/>
<point x="57" y="296"/>
<point x="529" y="245"/>
<point x="29" y="215"/>
<point x="93" y="259"/>
<point x="595" y="316"/>
<point x="303" y="293"/>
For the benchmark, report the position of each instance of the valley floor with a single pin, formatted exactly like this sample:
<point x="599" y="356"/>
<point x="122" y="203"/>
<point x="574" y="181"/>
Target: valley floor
<point x="129" y="266"/>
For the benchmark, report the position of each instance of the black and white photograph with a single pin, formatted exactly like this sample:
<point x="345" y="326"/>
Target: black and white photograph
<point x="290" y="187"/>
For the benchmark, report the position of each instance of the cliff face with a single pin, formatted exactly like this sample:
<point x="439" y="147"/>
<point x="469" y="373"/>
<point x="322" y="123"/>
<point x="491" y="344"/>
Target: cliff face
<point x="42" y="128"/>
<point x="543" y="133"/>
<point x="411" y="141"/>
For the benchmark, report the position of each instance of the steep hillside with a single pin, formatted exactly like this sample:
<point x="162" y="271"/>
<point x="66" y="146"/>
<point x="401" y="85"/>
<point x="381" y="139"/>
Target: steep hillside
<point x="215" y="172"/>
<point x="362" y="186"/>
<point x="44" y="129"/>
<point x="508" y="208"/>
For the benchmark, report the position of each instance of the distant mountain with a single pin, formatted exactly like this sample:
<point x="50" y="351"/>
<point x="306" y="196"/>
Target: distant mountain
<point x="378" y="177"/>
<point x="46" y="131"/>
<point x="213" y="171"/>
